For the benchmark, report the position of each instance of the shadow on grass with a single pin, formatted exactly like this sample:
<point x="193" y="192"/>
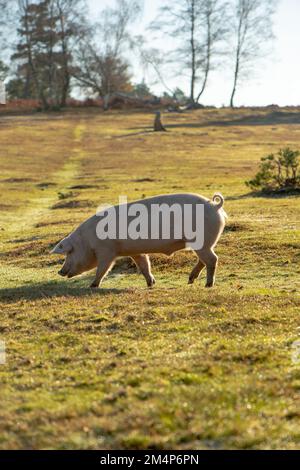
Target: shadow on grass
<point x="280" y="194"/>
<point x="53" y="289"/>
<point x="269" y="119"/>
<point x="133" y="134"/>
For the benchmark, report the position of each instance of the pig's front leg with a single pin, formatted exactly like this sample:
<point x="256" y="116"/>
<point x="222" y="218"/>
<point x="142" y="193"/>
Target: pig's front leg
<point x="143" y="263"/>
<point x="105" y="263"/>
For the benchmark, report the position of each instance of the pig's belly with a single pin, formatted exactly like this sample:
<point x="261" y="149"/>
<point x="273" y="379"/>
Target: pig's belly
<point x="135" y="247"/>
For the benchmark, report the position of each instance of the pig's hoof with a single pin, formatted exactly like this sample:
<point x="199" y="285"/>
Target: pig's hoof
<point x="209" y="285"/>
<point x="191" y="281"/>
<point x="151" y="282"/>
<point x="93" y="286"/>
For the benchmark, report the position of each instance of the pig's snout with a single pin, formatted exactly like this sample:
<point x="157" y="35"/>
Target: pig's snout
<point x="62" y="273"/>
<point x="66" y="273"/>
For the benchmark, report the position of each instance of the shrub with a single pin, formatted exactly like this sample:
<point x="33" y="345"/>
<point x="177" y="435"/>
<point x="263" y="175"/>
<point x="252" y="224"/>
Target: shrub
<point x="279" y="171"/>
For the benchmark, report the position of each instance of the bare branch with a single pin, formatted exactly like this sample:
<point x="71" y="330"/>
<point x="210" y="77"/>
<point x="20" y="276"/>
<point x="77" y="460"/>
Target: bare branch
<point x="198" y="27"/>
<point x="251" y="25"/>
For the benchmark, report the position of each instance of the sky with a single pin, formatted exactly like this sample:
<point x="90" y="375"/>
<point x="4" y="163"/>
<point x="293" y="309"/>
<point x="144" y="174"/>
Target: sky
<point x="277" y="79"/>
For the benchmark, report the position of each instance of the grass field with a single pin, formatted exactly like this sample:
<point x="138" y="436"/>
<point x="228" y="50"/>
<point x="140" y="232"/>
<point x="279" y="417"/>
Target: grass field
<point x="125" y="367"/>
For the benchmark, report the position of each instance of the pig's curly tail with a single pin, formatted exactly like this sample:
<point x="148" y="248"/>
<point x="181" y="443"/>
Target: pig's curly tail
<point x="218" y="200"/>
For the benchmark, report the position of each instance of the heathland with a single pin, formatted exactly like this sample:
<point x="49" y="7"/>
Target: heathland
<point x="176" y="366"/>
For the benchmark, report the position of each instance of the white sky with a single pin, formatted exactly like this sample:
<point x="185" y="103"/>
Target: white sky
<point x="277" y="79"/>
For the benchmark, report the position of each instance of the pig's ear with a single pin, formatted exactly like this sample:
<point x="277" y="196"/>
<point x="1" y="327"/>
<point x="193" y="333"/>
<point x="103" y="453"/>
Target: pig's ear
<point x="63" y="247"/>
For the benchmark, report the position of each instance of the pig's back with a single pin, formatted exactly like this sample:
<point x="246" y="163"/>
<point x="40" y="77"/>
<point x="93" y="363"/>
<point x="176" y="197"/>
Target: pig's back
<point x="128" y="246"/>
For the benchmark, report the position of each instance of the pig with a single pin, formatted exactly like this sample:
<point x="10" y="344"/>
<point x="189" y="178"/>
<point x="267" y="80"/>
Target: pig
<point x="85" y="250"/>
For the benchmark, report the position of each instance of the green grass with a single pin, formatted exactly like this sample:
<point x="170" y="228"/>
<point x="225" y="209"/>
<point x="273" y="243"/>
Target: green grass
<point x="125" y="367"/>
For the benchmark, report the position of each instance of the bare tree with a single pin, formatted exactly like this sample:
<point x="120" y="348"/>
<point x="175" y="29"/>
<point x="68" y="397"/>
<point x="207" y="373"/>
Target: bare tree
<point x="114" y="25"/>
<point x="214" y="13"/>
<point x="101" y="63"/>
<point x="154" y="59"/>
<point x="252" y="31"/>
<point x="198" y="28"/>
<point x="101" y="74"/>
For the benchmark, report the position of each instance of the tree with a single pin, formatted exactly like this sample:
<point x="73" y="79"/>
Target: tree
<point x="15" y="89"/>
<point x="278" y="172"/>
<point x="101" y="64"/>
<point x="101" y="74"/>
<point x="214" y="13"/>
<point x="199" y="27"/>
<point x="3" y="71"/>
<point x="47" y="31"/>
<point x="7" y="27"/>
<point x="30" y="48"/>
<point x="179" y="95"/>
<point x="152" y="58"/>
<point x="176" y="95"/>
<point x="4" y="11"/>
<point x="71" y="28"/>
<point x="141" y="90"/>
<point x="251" y="32"/>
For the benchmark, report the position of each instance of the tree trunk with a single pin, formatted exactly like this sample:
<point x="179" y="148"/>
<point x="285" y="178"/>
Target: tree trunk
<point x="158" y="127"/>
<point x="238" y="54"/>
<point x="236" y="74"/>
<point x="193" y="51"/>
<point x="204" y="82"/>
<point x="208" y="56"/>
<point x="66" y="70"/>
<point x="34" y="72"/>
<point x="106" y="102"/>
<point x="27" y="88"/>
<point x="232" y="97"/>
<point x="192" y="98"/>
<point x="65" y="89"/>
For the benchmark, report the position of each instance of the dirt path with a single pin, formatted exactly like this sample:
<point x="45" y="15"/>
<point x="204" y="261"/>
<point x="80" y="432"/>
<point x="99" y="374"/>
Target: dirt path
<point x="38" y="207"/>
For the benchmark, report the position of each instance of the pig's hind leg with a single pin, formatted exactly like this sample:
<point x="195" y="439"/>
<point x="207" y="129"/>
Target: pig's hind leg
<point x="104" y="265"/>
<point x="210" y="259"/>
<point x="196" y="271"/>
<point x="143" y="263"/>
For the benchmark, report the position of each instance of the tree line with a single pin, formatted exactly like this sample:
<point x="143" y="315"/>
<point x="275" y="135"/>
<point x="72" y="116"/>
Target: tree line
<point x="50" y="47"/>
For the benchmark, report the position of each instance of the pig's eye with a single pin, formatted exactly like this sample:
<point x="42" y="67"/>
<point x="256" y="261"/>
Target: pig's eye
<point x="61" y="247"/>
